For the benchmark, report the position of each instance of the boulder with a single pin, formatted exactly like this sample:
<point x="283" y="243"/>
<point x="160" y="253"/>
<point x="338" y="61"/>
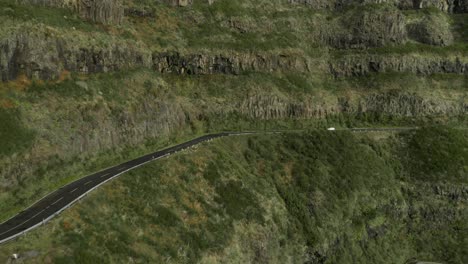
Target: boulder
<point x="434" y="29"/>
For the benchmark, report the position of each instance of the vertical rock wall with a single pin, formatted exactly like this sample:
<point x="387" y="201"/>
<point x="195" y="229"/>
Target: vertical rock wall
<point x="100" y="11"/>
<point x="451" y="6"/>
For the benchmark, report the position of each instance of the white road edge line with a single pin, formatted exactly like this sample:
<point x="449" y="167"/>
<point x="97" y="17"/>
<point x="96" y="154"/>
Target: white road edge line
<point x="22" y="223"/>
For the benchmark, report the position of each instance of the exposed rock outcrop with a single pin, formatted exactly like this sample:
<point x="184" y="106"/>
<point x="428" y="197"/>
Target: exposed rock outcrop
<point x="184" y="3"/>
<point x="101" y="11"/>
<point x="369" y="28"/>
<point x="433" y="29"/>
<point x="178" y="2"/>
<point x="136" y="12"/>
<point x="96" y="126"/>
<point x="361" y="65"/>
<point x="40" y="55"/>
<point x="110" y="127"/>
<point x="393" y="103"/>
<point x="403" y="104"/>
<point x="455" y="193"/>
<point x="45" y="58"/>
<point x="267" y="107"/>
<point x="233" y="63"/>
<point x="452" y="6"/>
<point x="318" y="4"/>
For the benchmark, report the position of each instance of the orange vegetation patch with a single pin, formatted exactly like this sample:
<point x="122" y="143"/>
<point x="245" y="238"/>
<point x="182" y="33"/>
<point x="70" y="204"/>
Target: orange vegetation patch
<point x="164" y="25"/>
<point x="64" y="75"/>
<point x="261" y="167"/>
<point x="6" y="103"/>
<point x="288" y="168"/>
<point x="66" y="225"/>
<point x="113" y="30"/>
<point x="22" y="82"/>
<point x="198" y="216"/>
<point x="166" y="21"/>
<point x="19" y="84"/>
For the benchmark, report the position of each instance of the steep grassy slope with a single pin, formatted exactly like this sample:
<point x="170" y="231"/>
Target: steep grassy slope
<point x="87" y="84"/>
<point x="316" y="197"/>
<point x="56" y="132"/>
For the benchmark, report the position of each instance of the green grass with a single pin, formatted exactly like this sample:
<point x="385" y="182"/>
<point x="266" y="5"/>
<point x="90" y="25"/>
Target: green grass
<point x="57" y="171"/>
<point x="55" y="17"/>
<point x="438" y="154"/>
<point x="210" y="104"/>
<point x="67" y="88"/>
<point x="106" y="98"/>
<point x="331" y="197"/>
<point x="460" y="26"/>
<point x="14" y="136"/>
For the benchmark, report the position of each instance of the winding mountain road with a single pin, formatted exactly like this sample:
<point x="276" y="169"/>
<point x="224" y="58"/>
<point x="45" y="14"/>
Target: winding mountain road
<point x="61" y="199"/>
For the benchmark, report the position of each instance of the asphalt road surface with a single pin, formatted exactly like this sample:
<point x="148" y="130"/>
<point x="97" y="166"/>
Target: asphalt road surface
<point x="54" y="203"/>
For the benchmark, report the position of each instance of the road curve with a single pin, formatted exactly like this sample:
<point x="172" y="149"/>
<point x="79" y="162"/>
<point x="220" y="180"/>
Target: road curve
<point x="59" y="200"/>
<point x="56" y="202"/>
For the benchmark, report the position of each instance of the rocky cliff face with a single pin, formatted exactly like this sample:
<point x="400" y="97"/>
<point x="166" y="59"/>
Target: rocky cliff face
<point x="370" y="28"/>
<point x="393" y="103"/>
<point x="45" y="58"/>
<point x="178" y="2"/>
<point x="19" y="55"/>
<point x="433" y="29"/>
<point x="356" y="65"/>
<point x="111" y="127"/>
<point x="70" y="128"/>
<point x="100" y="11"/>
<point x="453" y="6"/>
<point x="43" y="55"/>
<point x="234" y="63"/>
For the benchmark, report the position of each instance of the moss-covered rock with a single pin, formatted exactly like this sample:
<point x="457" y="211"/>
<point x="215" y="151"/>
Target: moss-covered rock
<point x="43" y="53"/>
<point x="370" y="27"/>
<point x="361" y="65"/>
<point x="433" y="29"/>
<point x="450" y="6"/>
<point x="101" y="11"/>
